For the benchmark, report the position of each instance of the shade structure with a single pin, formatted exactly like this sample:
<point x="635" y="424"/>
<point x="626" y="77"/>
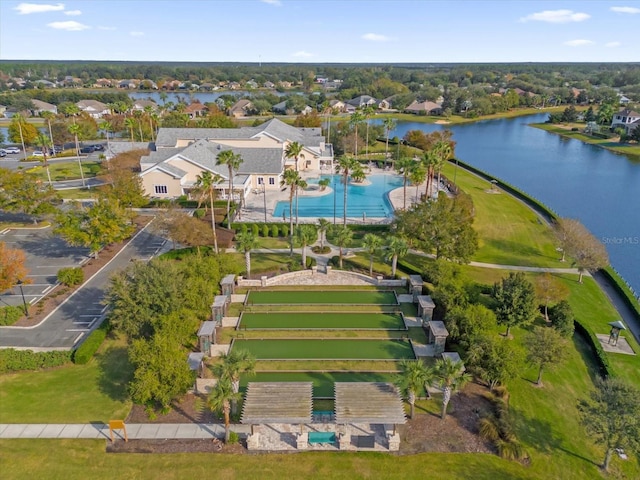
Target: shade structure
<point x="277" y="402"/>
<point x="618" y="324"/>
<point x="368" y="402"/>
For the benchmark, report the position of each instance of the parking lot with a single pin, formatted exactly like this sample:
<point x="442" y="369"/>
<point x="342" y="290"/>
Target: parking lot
<point x="45" y="255"/>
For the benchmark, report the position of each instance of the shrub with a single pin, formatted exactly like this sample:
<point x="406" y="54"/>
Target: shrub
<point x="244" y="228"/>
<point x="198" y="213"/>
<point x="284" y="230"/>
<point x="233" y="438"/>
<point x="275" y="230"/>
<point x="90" y="346"/>
<point x="264" y="230"/>
<point x="19" y="360"/>
<point x="311" y="262"/>
<point x="255" y="229"/>
<point x="10" y="315"/>
<point x="575" y="129"/>
<point x="71" y="276"/>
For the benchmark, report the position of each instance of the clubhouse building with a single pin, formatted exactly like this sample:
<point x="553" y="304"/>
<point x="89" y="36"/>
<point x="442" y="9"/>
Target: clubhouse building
<point x="181" y="154"/>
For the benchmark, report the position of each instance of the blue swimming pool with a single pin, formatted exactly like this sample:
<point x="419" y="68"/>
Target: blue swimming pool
<point x="370" y="201"/>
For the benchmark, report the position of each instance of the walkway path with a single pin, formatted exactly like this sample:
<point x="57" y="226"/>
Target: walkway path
<point x="100" y="430"/>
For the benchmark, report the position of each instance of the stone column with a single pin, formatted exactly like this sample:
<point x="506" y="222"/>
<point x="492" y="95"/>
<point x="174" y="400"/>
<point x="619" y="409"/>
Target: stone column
<point x="302" y="441"/>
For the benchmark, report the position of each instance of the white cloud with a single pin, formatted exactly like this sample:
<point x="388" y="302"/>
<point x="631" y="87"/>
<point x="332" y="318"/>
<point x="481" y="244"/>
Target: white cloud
<point x="70" y="26"/>
<point x="101" y="27"/>
<point x="556" y="16"/>
<point x="28" y="8"/>
<point x="578" y="43"/>
<point x="375" y="37"/>
<point x="612" y="44"/>
<point x="631" y="10"/>
<point x="302" y="54"/>
<point x="275" y="3"/>
<point x="73" y="12"/>
<point x="136" y="34"/>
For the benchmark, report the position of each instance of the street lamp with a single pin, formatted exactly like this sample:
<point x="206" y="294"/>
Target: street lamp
<point x="24" y="302"/>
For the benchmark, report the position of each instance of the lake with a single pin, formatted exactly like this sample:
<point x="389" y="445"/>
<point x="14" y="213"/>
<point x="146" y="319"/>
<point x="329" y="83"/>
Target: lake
<point x="577" y="180"/>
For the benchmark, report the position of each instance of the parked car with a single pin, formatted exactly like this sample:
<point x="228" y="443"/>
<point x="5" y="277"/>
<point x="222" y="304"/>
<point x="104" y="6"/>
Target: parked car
<point x="37" y="153"/>
<point x="12" y="150"/>
<point x="58" y="149"/>
<point x="3" y="153"/>
<point x="86" y="150"/>
<point x="98" y="148"/>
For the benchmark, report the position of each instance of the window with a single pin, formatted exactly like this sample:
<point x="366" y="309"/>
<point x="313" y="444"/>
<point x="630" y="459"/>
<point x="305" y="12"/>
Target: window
<point x="260" y="181"/>
<point x="160" y="189"/>
<point x="272" y="181"/>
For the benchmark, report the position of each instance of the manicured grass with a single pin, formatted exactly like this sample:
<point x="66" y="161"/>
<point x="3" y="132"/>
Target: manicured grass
<point x="310" y="320"/>
<point x="329" y="349"/>
<point x="322" y="381"/>
<point x="509" y="232"/>
<point x="71" y="394"/>
<point x="82" y="459"/>
<point x="608" y="143"/>
<point x="66" y="170"/>
<point x="415" y="333"/>
<point x="78" y="194"/>
<point x="348" y="297"/>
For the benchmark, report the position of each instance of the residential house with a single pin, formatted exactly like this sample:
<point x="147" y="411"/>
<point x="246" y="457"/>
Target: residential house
<point x="141" y="105"/>
<point x="269" y="84"/>
<point x="337" y="105"/>
<point x="332" y="84"/>
<point x="208" y="87"/>
<point x="285" y="84"/>
<point x="280" y="108"/>
<point x="363" y="101"/>
<point x="46" y="84"/>
<point x="633" y="126"/>
<point x="234" y="86"/>
<point x="307" y="110"/>
<point x="251" y="84"/>
<point x="195" y="110"/>
<point x="103" y="83"/>
<point x="623" y="100"/>
<point x="93" y="108"/>
<point x="129" y="84"/>
<point x="241" y="108"/>
<point x="39" y="107"/>
<point x="624" y="119"/>
<point x="424" y="108"/>
<point x="147" y="84"/>
<point x="181" y="154"/>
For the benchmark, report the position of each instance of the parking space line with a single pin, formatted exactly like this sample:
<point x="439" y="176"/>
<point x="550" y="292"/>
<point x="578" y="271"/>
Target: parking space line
<point x="78" y="338"/>
<point x="46" y="290"/>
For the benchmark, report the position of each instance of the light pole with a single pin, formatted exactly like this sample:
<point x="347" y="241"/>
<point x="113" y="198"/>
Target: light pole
<point x="24" y="302"/>
<point x="264" y="193"/>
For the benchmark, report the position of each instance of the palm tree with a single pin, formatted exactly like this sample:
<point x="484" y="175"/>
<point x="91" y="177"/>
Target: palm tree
<point x="138" y="116"/>
<point x="20" y="120"/>
<point x="74" y="129"/>
<point x="72" y="110"/>
<point x="443" y="153"/>
<point x="48" y="116"/>
<point x="356" y="119"/>
<point x="220" y="399"/>
<point x="245" y="242"/>
<point x="429" y="160"/>
<point x="451" y="377"/>
<point x="305" y="235"/>
<point x="233" y="162"/>
<point x="130" y="123"/>
<point x="234" y="364"/>
<point x="107" y="127"/>
<point x="371" y="243"/>
<point x="323" y="225"/>
<point x="342" y="238"/>
<point x="367" y="111"/>
<point x="389" y="124"/>
<point x="149" y="111"/>
<point x="404" y="166"/>
<point x="44" y="143"/>
<point x="206" y="183"/>
<point x="417" y="175"/>
<point x="290" y="179"/>
<point x="345" y="166"/>
<point x="415" y="376"/>
<point x="396" y="247"/>
<point x="293" y="150"/>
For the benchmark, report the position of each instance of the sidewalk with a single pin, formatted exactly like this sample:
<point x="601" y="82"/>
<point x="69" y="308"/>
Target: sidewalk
<point x="134" y="430"/>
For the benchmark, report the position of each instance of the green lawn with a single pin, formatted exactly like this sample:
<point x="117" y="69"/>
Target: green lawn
<point x="322" y="381"/>
<point x="309" y="320"/>
<point x="510" y="233"/>
<point x="348" y="297"/>
<point x="73" y="394"/>
<point x="330" y="349"/>
<point x="608" y="143"/>
<point x="67" y="170"/>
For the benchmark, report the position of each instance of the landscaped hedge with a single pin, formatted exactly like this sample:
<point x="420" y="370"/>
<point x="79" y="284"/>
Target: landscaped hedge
<point x="600" y="355"/>
<point x="534" y="203"/>
<point x="263" y="229"/>
<point x="10" y="314"/>
<point x="623" y="289"/>
<point x="90" y="346"/>
<point x="71" y="276"/>
<point x="19" y="360"/>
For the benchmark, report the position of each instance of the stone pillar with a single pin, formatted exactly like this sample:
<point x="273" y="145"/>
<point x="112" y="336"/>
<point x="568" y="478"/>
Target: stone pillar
<point x="394" y="442"/>
<point x="302" y="441"/>
<point x="253" y="441"/>
<point x="263" y="281"/>
<point x="344" y="440"/>
<point x="328" y="269"/>
<point x="314" y="270"/>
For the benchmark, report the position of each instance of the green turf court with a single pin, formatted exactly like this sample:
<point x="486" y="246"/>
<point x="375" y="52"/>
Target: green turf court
<point x="341" y="297"/>
<point x="299" y="349"/>
<point x="322" y="381"/>
<point x="314" y="320"/>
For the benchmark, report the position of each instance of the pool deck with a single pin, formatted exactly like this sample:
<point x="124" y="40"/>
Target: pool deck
<point x="253" y="210"/>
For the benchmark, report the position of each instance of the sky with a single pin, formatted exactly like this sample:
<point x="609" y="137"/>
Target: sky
<point x="338" y="31"/>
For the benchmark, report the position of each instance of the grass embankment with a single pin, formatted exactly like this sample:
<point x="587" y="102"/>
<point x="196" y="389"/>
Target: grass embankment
<point x="608" y="143"/>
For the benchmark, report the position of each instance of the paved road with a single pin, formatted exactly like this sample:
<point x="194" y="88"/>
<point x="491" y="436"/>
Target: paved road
<point x="84" y="310"/>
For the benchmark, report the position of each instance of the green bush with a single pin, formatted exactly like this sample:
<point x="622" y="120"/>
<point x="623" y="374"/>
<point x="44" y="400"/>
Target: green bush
<point x="275" y="230"/>
<point x="71" y="276"/>
<point x="198" y="213"/>
<point x="10" y="315"/>
<point x="284" y="230"/>
<point x="244" y="228"/>
<point x="594" y="343"/>
<point x="264" y="230"/>
<point x="310" y="262"/>
<point x="233" y="438"/>
<point x="19" y="360"/>
<point x="90" y="346"/>
<point x="255" y="229"/>
<point x="623" y="289"/>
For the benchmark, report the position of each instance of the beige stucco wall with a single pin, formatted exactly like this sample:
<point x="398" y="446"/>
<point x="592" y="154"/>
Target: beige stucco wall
<point x="151" y="179"/>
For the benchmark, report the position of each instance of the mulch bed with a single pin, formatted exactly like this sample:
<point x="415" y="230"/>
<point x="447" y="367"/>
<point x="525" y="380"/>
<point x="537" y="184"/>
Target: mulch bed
<point x="189" y="409"/>
<point x="174" y="446"/>
<point x="60" y="293"/>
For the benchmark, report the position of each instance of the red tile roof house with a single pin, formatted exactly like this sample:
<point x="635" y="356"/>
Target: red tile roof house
<point x="624" y="119"/>
<point x="195" y="110"/>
